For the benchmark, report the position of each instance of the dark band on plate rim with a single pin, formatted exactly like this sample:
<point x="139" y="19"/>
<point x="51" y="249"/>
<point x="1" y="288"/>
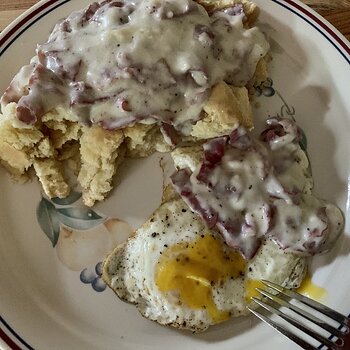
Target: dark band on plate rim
<point x="15" y="30"/>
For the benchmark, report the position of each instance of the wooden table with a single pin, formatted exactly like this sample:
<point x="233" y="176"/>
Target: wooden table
<point x="336" y="12"/>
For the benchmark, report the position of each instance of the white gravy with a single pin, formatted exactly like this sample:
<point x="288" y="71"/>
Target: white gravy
<point x="121" y="62"/>
<point x="251" y="189"/>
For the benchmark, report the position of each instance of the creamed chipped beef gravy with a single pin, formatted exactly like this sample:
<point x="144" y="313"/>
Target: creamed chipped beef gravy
<point x="120" y="62"/>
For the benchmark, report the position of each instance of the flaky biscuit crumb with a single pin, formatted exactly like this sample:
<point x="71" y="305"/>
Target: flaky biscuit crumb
<point x="227" y="108"/>
<point x="99" y="150"/>
<point x="251" y="10"/>
<point x="50" y="174"/>
<point x="23" y="146"/>
<point x="44" y="149"/>
<point x="142" y="140"/>
<point x="16" y="147"/>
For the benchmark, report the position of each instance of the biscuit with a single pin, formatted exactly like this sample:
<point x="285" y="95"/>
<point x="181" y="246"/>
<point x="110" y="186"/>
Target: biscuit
<point x="101" y="154"/>
<point x="94" y="153"/>
<point x="251" y="10"/>
<point x="226" y="109"/>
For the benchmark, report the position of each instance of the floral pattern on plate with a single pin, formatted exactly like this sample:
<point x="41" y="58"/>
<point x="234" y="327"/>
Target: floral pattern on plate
<point x="81" y="236"/>
<point x="267" y="89"/>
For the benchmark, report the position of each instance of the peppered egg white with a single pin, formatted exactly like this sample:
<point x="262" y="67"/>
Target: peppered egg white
<point x="179" y="273"/>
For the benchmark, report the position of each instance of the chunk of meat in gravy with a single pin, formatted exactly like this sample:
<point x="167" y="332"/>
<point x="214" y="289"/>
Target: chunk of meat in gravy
<point x="241" y="189"/>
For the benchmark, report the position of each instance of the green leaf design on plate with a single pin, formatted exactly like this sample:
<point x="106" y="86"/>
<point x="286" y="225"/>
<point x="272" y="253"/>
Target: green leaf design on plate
<point x="47" y="217"/>
<point x="303" y="140"/>
<point x="81" y="218"/>
<point x="73" y="197"/>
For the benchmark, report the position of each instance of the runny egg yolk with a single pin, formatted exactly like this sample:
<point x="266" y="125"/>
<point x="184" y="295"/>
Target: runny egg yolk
<point x="250" y="289"/>
<point x="307" y="288"/>
<point x="311" y="290"/>
<point x="190" y="270"/>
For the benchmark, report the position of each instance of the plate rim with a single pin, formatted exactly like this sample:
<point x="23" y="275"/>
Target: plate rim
<point x="306" y="13"/>
<point x="9" y="338"/>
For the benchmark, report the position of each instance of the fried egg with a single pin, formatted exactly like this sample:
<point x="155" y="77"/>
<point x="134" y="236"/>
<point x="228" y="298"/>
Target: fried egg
<point x="179" y="273"/>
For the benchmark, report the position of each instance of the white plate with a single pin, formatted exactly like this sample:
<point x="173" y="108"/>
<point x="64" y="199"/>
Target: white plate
<point x="44" y="304"/>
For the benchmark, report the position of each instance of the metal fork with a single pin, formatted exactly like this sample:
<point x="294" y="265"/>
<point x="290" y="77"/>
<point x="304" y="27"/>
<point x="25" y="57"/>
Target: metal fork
<point x="338" y="338"/>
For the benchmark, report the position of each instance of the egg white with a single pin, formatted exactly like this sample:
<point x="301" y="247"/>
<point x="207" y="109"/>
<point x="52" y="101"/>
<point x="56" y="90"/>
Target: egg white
<point x="130" y="269"/>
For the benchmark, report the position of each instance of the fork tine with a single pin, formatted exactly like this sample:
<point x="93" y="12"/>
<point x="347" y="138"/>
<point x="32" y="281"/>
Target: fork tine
<point x="299" y="311"/>
<point x="305" y="345"/>
<point x="298" y="325"/>
<point x="345" y="321"/>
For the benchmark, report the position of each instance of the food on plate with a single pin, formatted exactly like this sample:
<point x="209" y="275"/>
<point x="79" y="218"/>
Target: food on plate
<point x="251" y="189"/>
<point x="127" y="78"/>
<point x="180" y="273"/>
<point x="244" y="212"/>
